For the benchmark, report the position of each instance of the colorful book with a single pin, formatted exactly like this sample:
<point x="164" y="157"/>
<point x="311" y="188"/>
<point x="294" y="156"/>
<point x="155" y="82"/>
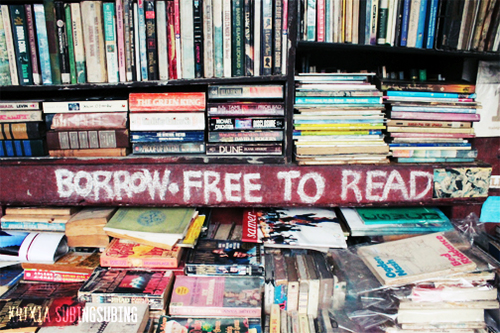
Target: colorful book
<point x="143" y="59"/>
<point x="172" y="49"/>
<point x="248" y="32"/>
<point x="245" y="91"/>
<point x="124" y="253"/>
<point x="168" y="148"/>
<point x="267" y="38"/>
<point x="21" y="130"/>
<point x="198" y="25"/>
<point x="4" y="61"/>
<point x="9" y="276"/>
<point x="226" y="296"/>
<point x="21" y="43"/>
<point x="108" y="9"/>
<point x="127" y="286"/>
<point x="30" y="22"/>
<point x="399" y="215"/>
<point x="40" y="247"/>
<point x="435" y="116"/>
<point x="34" y="223"/>
<point x="429" y="94"/>
<point x="71" y="48"/>
<point x="161" y="227"/>
<point x="19" y="148"/>
<point x="231" y="124"/>
<point x="18" y="116"/>
<point x="171" y="324"/>
<point x="151" y="40"/>
<point x="218" y="52"/>
<point x="337" y="100"/>
<point x="161" y="32"/>
<point x="86" y="121"/>
<point x="164" y="136"/>
<point x="238" y="38"/>
<point x="246" y="136"/>
<point x="246" y="108"/>
<point x="176" y="101"/>
<point x="87" y="139"/>
<point x="63" y="51"/>
<point x="244" y="148"/>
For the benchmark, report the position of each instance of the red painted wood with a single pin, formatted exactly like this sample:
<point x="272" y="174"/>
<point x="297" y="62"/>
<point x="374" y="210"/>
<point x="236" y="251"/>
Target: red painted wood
<point x="50" y="182"/>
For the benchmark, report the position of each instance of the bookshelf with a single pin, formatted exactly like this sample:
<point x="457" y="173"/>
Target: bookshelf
<point x="240" y="181"/>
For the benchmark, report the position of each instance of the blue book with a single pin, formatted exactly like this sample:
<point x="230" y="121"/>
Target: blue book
<point x="421" y="24"/>
<point x="433" y="159"/>
<point x="431" y="23"/>
<point x="439" y="153"/>
<point x="404" y="22"/>
<point x="396" y="145"/>
<point x="354" y="132"/>
<point x="43" y="43"/>
<point x="173" y="136"/>
<point x="40" y="226"/>
<point x="367" y="21"/>
<point x="142" y="41"/>
<point x="337" y="100"/>
<point x="108" y="10"/>
<point x="432" y="109"/>
<point x="334" y="121"/>
<point x="9" y="148"/>
<point x="428" y="94"/>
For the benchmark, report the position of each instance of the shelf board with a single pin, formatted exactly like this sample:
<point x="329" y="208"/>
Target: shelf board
<point x="151" y="182"/>
<point x="318" y="46"/>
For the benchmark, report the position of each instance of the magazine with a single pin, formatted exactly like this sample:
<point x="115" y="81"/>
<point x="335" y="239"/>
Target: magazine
<point x="40" y="247"/>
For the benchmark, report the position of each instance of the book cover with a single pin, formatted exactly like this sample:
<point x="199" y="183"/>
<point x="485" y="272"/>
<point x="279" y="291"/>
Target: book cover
<point x="225" y="296"/>
<point x="128" y="286"/>
<point x="267" y="38"/>
<point x="143" y="60"/>
<point x="277" y="36"/>
<point x="245" y="91"/>
<point x="399" y="215"/>
<point x="249" y="37"/>
<point x="9" y="44"/>
<point x="19" y="116"/>
<point x="172" y="324"/>
<point x="257" y="37"/>
<point x="30" y="23"/>
<point x="187" y="39"/>
<point x="85" y="106"/>
<point x="161" y="32"/>
<point x="246" y="108"/>
<point x="21" y="43"/>
<point x="4" y="61"/>
<point x="167" y="136"/>
<point x="167" y="121"/>
<point x="41" y="247"/>
<point x="168" y="101"/>
<point x="63" y="51"/>
<point x="218" y="35"/>
<point x="244" y="148"/>
<point x="172" y="50"/>
<point x="90" y="139"/>
<point x="78" y="43"/>
<point x="125" y="253"/>
<point x="231" y="124"/>
<point x="246" y="136"/>
<point x="161" y="227"/>
<point x="314" y="228"/>
<point x="238" y="38"/>
<point x="419" y="42"/>
<point x="108" y="9"/>
<point x="168" y="148"/>
<point x="151" y="40"/>
<point x="225" y="258"/>
<point x="9" y="276"/>
<point x="414" y="259"/>
<point x="198" y="18"/>
<point x="86" y="121"/>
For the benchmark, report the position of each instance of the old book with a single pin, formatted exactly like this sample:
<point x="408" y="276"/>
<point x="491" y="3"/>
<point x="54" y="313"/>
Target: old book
<point x="40" y="247"/>
<point x="170" y="101"/>
<point x="11" y="148"/>
<point x="34" y="222"/>
<point x="86" y="121"/>
<point x="125" y="253"/>
<point x="11" y="116"/>
<point x="90" y="221"/>
<point x="413" y="259"/>
<point x="150" y="286"/>
<point x="293" y="284"/>
<point x="30" y="21"/>
<point x="161" y="227"/>
<point x="9" y="67"/>
<point x="93" y="36"/>
<point x="314" y="286"/>
<point x="78" y="43"/>
<point x="303" y="300"/>
<point x="98" y="152"/>
<point x="170" y="324"/>
<point x="72" y="267"/>
<point x="90" y="139"/>
<point x="21" y="40"/>
<point x="326" y="280"/>
<point x="82" y="106"/>
<point x="41" y="210"/>
<point x="225" y="296"/>
<point x="21" y="130"/>
<point x="414" y="316"/>
<point x="63" y="52"/>
<point x="167" y="121"/>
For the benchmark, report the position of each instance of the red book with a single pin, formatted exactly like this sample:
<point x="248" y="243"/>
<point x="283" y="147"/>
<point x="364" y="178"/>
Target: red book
<point x="320" y="21"/>
<point x="171" y="49"/>
<point x="90" y="139"/>
<point x="178" y="101"/>
<point x="250" y="226"/>
<point x="444" y="116"/>
<point x="124" y="253"/>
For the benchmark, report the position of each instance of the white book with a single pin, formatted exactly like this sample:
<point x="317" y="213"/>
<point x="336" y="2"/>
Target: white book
<point x="110" y="38"/>
<point x="93" y="36"/>
<point x="85" y="106"/>
<point x="440" y="316"/>
<point x="392" y="7"/>
<point x="187" y="38"/>
<point x="355" y="21"/>
<point x="142" y="60"/>
<point x="411" y="41"/>
<point x="161" y="33"/>
<point x="218" y="47"/>
<point x="167" y="121"/>
<point x="337" y="19"/>
<point x="257" y="44"/>
<point x="208" y="39"/>
<point x="42" y="40"/>
<point x="9" y="40"/>
<point x="226" y="38"/>
<point x="78" y="43"/>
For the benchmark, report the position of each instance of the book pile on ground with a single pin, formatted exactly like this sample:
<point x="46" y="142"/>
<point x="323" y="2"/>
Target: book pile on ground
<point x="25" y="246"/>
<point x="433" y="123"/>
<point x="86" y="227"/>
<point x="22" y="131"/>
<point x="167" y="123"/>
<point x="87" y="128"/>
<point x="172" y="324"/>
<point x="338" y="119"/>
<point x="245" y="120"/>
<point x="52" y="219"/>
<point x="452" y="25"/>
<point x="387" y="221"/>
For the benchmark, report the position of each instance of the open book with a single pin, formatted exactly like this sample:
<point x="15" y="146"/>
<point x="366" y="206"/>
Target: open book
<point x="41" y="247"/>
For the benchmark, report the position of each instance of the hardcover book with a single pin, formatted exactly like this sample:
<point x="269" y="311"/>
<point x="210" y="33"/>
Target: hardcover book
<point x="90" y="139"/>
<point x="224" y="296"/>
<point x="414" y="259"/>
<point x="161" y="227"/>
<point x="170" y="101"/>
<point x="86" y="121"/>
<point x="172" y="324"/>
<point x="86" y="228"/>
<point x="128" y="286"/>
<point x="223" y="257"/>
<point x="21" y="130"/>
<point x="125" y="253"/>
<point x="167" y="121"/>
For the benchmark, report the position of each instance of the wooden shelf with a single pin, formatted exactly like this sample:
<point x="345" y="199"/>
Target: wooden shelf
<point x="154" y="182"/>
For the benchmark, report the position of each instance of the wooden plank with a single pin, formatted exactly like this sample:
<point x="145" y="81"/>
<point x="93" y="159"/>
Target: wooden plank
<point x="98" y="183"/>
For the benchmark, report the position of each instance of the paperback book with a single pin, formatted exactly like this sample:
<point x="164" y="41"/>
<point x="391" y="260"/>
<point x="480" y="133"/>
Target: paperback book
<point x="172" y="324"/>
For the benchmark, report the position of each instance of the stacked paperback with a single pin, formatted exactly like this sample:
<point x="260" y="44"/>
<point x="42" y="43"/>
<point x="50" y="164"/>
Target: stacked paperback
<point x="87" y="128"/>
<point x="167" y="123"/>
<point x="245" y="120"/>
<point x="433" y="123"/>
<point x="338" y="119"/>
<point x="22" y="131"/>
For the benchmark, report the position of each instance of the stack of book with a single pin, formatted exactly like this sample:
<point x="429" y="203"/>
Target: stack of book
<point x="338" y="119"/>
<point x="22" y="131"/>
<point x="51" y="219"/>
<point x="86" y="228"/>
<point x="87" y="128"/>
<point x="432" y="124"/>
<point x="59" y="42"/>
<point x="448" y="25"/>
<point x="167" y="123"/>
<point x="245" y="120"/>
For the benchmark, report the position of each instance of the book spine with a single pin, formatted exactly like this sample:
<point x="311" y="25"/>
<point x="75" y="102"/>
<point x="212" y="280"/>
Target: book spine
<point x="151" y="42"/>
<point x="435" y="116"/>
<point x="404" y="23"/>
<point x="158" y="102"/>
<point x="336" y="100"/>
<point x="9" y="42"/>
<point x="168" y="148"/>
<point x="4" y="60"/>
<point x="187" y="38"/>
<point x="43" y="48"/>
<point x="108" y="9"/>
<point x="383" y="15"/>
<point x="38" y="226"/>
<point x="21" y="44"/>
<point x="253" y="91"/>
<point x="174" y="136"/>
<point x="168" y="121"/>
<point x="320" y="19"/>
<point x="87" y="139"/>
<point x="222" y="270"/>
<point x="78" y="43"/>
<point x="248" y="42"/>
<point x="198" y="38"/>
<point x="208" y="39"/>
<point x="86" y="121"/>
<point x="127" y="4"/>
<point x="277" y="45"/>
<point x="258" y="109"/>
<point x="18" y="116"/>
<point x="244" y="149"/>
<point x="21" y="131"/>
<point x="93" y="34"/>
<point x="155" y="302"/>
<point x="238" y="38"/>
<point x="143" y="60"/>
<point x="20" y="148"/>
<point x="257" y="37"/>
<point x="227" y="37"/>
<point x="136" y="262"/>
<point x="267" y="37"/>
<point x="54" y="276"/>
<point x="311" y="20"/>
<point x="171" y="45"/>
<point x="419" y="43"/>
<point x="260" y="136"/>
<point x="348" y="21"/>
<point x="218" y="39"/>
<point x="30" y="22"/>
<point x="62" y="37"/>
<point x="413" y="23"/>
<point x="486" y="25"/>
<point x="431" y="24"/>
<point x="86" y="106"/>
<point x="19" y="105"/>
<point x="284" y="45"/>
<point x="161" y="32"/>
<point x="120" y="40"/>
<point x="436" y="153"/>
<point x="231" y="124"/>
<point x="71" y="48"/>
<point x="177" y="29"/>
<point x="374" y="21"/>
<point x="430" y="94"/>
<point x="133" y="22"/>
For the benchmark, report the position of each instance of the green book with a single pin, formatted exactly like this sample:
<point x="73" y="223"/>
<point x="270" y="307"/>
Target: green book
<point x="398" y="215"/>
<point x="71" y="50"/>
<point x="160" y="227"/>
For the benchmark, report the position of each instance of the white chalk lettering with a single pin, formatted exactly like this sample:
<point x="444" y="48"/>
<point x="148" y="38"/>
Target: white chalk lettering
<point x="188" y="183"/>
<point x="249" y="186"/>
<point x="353" y="185"/>
<point x="413" y="184"/>
<point x="121" y="179"/>
<point x="372" y="185"/>
<point x="87" y="183"/>
<point x="101" y="181"/>
<point x="230" y="186"/>
<point x="395" y="183"/>
<point x="288" y="176"/>
<point x="211" y="186"/>
<point x="318" y="180"/>
<point x="65" y="187"/>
